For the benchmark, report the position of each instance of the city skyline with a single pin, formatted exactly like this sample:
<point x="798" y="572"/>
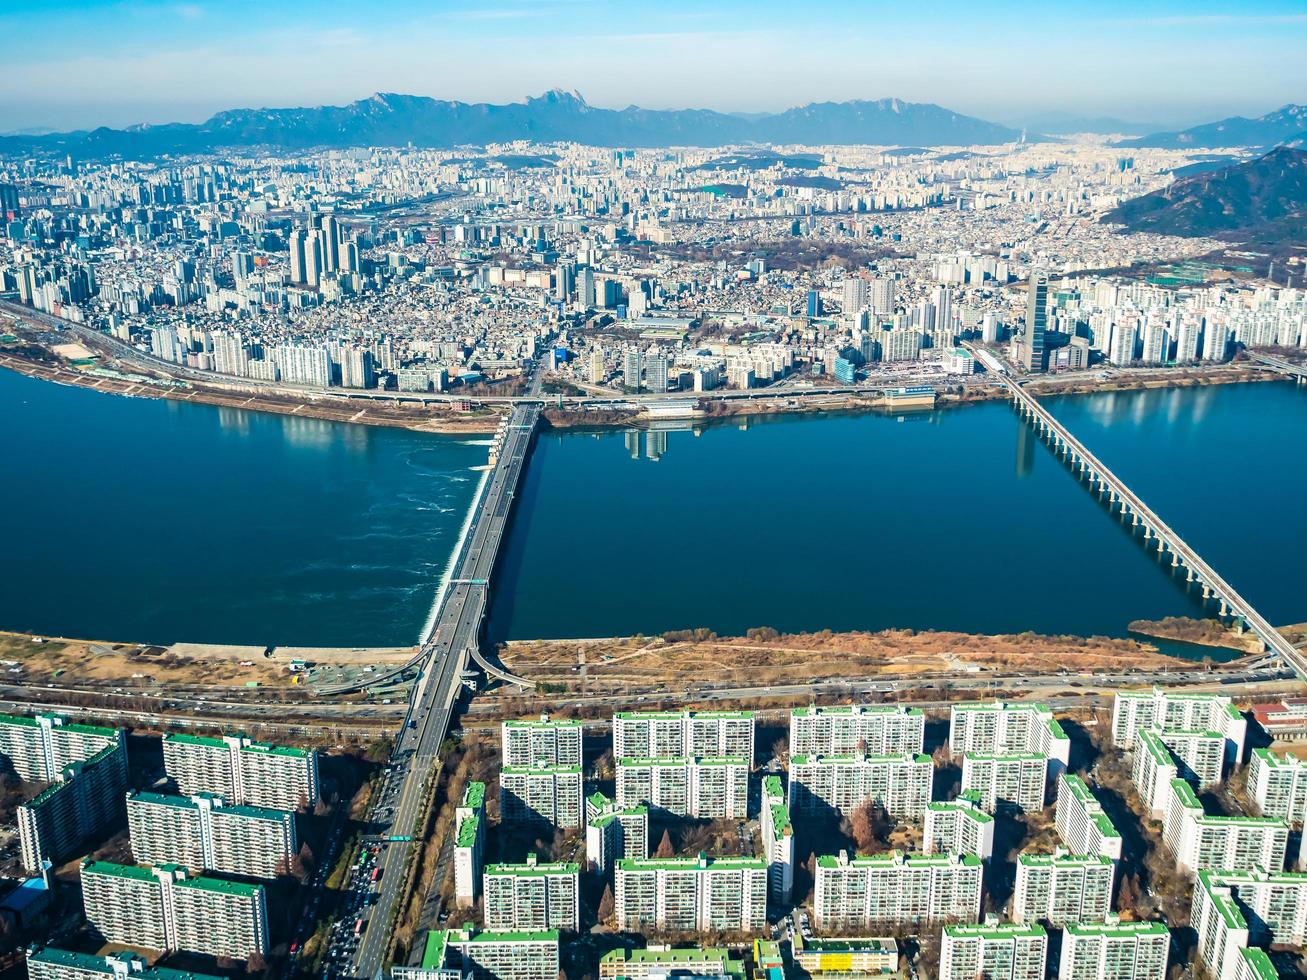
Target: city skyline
<point x="1166" y="63"/>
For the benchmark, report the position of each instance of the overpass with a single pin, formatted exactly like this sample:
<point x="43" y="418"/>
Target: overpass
<point x="1118" y="495"/>
<point x="446" y="653"/>
<point x="1296" y="371"/>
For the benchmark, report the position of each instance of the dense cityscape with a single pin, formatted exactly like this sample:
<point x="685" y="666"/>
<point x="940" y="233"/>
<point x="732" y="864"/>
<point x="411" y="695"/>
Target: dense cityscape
<point x="647" y="803"/>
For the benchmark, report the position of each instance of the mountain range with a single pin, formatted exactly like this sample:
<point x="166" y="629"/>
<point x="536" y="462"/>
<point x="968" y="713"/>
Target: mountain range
<point x="1286" y="125"/>
<point x="1263" y="200"/>
<point x="397" y="120"/>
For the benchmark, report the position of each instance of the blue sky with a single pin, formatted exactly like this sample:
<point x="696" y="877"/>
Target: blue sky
<point x="115" y="62"/>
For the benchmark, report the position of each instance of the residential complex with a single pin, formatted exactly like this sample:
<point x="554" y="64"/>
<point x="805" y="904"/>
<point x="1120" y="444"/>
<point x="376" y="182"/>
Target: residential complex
<point x="1162" y="710"/>
<point x="49" y="963"/>
<point x="1234" y="911"/>
<point x="242" y="771"/>
<point x="899" y="783"/>
<point x="41" y="747"/>
<point x="1278" y="785"/>
<point x="1081" y="822"/>
<point x="1201" y="842"/>
<point x="683" y="734"/>
<point x="709" y="788"/>
<point x="1003" y="746"/>
<point x="1005" y="780"/>
<point x="613" y="832"/>
<point x="1114" y="950"/>
<point x="485" y="955"/>
<point x="994" y="952"/>
<point x="702" y="894"/>
<point x="532" y="897"/>
<point x="201" y="833"/>
<point x="167" y="909"/>
<point x="548" y="794"/>
<point x="896" y="888"/>
<point x="1060" y="888"/>
<point x="959" y="827"/>
<point x="777" y="839"/>
<point x="469" y="842"/>
<point x="542" y="742"/>
<point x="856" y="729"/>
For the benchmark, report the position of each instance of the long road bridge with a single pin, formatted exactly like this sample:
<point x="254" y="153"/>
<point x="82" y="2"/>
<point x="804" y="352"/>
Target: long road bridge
<point x="445" y="657"/>
<point x="1296" y="371"/>
<point x="1183" y="556"/>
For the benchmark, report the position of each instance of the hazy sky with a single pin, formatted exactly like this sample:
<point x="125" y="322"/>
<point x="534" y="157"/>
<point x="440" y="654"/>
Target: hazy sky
<point x="82" y="63"/>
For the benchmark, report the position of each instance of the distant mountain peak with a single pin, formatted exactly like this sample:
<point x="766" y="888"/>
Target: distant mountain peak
<point x="1285" y="124"/>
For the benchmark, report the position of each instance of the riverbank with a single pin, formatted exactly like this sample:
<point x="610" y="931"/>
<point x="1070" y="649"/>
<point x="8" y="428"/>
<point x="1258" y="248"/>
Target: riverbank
<point x="476" y="418"/>
<point x="1201" y="632"/>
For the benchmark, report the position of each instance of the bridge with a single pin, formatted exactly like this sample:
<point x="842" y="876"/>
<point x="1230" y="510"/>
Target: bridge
<point x="453" y="644"/>
<point x="1296" y="371"/>
<point x="1183" y="556"/>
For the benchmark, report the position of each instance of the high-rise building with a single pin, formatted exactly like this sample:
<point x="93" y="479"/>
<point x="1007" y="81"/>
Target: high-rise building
<point x="532" y="897"/>
<point x="200" y="833"/>
<point x="680" y="734"/>
<point x="613" y="832"/>
<point x="1114" y="951"/>
<point x="298" y="250"/>
<point x="993" y="952"/>
<point x="896" y="888"/>
<point x="242" y="771"/>
<point x="1234" y="911"/>
<point x="777" y="839"/>
<point x="469" y="952"/>
<point x="1016" y="780"/>
<point x="899" y="783"/>
<point x="655" y="373"/>
<point x="1033" y="355"/>
<point x="959" y="826"/>
<point x="632" y="370"/>
<point x="167" y="909"/>
<point x="1278" y="785"/>
<point x="1061" y="888"/>
<point x="1201" y="842"/>
<point x="707" y="788"/>
<point x="852" y="729"/>
<point x="357" y="368"/>
<point x="700" y="894"/>
<point x="541" y="742"/>
<point x="598" y="370"/>
<point x="49" y="963"/>
<point x="1081" y="822"/>
<point x="302" y="364"/>
<point x="469" y="842"/>
<point x="547" y="794"/>
<point x="880" y="296"/>
<point x="1165" y="711"/>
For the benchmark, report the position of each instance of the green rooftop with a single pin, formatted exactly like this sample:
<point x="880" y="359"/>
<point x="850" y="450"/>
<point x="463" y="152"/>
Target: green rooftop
<point x="691" y="863"/>
<point x="129" y="871"/>
<point x="780" y="819"/>
<point x="1258" y="963"/>
<point x="1117" y="930"/>
<point x="220" y="886"/>
<point x="90" y="963"/>
<point x="1005" y="930"/>
<point x="533" y="870"/>
<point x="899" y="857"/>
<point x="474" y="794"/>
<point x="467" y="831"/>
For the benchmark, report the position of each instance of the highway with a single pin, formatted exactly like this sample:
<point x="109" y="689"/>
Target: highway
<point x="445" y="655"/>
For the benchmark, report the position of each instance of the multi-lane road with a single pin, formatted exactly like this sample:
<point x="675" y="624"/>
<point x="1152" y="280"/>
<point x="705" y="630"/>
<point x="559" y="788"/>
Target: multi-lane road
<point x="455" y="633"/>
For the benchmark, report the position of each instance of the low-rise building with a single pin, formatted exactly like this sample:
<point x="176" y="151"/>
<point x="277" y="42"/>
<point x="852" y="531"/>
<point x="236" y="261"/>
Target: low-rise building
<point x="532" y="897"/>
<point x="469" y="842"/>
<point x="993" y="951"/>
<point x="1081" y="822"/>
<point x="1006" y="780"/>
<point x="845" y="957"/>
<point x="712" y="962"/>
<point x="167" y="909"/>
<point x="896" y="888"/>
<point x="1201" y="842"/>
<point x="959" y="826"/>
<point x="1114" y="950"/>
<point x="899" y="783"/>
<point x="857" y="729"/>
<point x="1060" y="888"/>
<point x="543" y="794"/>
<point x="700" y="894"/>
<point x="455" y="954"/>
<point x="777" y="839"/>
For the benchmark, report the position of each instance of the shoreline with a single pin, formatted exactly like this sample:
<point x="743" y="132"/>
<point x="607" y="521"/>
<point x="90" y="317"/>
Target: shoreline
<point x="484" y="420"/>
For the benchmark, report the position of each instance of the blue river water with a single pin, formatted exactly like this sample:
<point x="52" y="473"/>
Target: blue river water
<point x="156" y="521"/>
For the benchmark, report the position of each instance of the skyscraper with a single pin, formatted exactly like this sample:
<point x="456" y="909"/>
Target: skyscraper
<point x="298" y="242"/>
<point x="1032" y="341"/>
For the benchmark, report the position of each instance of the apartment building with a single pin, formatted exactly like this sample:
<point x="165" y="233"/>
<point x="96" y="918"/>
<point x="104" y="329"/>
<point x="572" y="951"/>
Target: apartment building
<point x="683" y="734"/>
<point x="857" y="729"/>
<point x="40" y="747"/>
<point x="454" y="954"/>
<point x="1278" y="785"/>
<point x="1162" y="710"/>
<point x="1005" y="780"/>
<point x="542" y="741"/>
<point x="49" y="963"/>
<point x="1114" y="950"/>
<point x="85" y="796"/>
<point x="1081" y="822"/>
<point x="707" y="788"/>
<point x="532" y="897"/>
<point x="959" y="826"/>
<point x="201" y="833"/>
<point x="896" y="888"/>
<point x="167" y="909"/>
<point x="777" y="839"/>
<point x="899" y="783"/>
<point x="1234" y="911"/>
<point x="1060" y="888"/>
<point x="1152" y="771"/>
<point x="700" y="894"/>
<point x="1199" y="756"/>
<point x="855" y="956"/>
<point x="662" y="963"/>
<point x="242" y="771"/>
<point x="543" y="794"/>
<point x="996" y="728"/>
<point x="993" y="951"/>
<point x="1201" y="842"/>
<point x="469" y="842"/>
